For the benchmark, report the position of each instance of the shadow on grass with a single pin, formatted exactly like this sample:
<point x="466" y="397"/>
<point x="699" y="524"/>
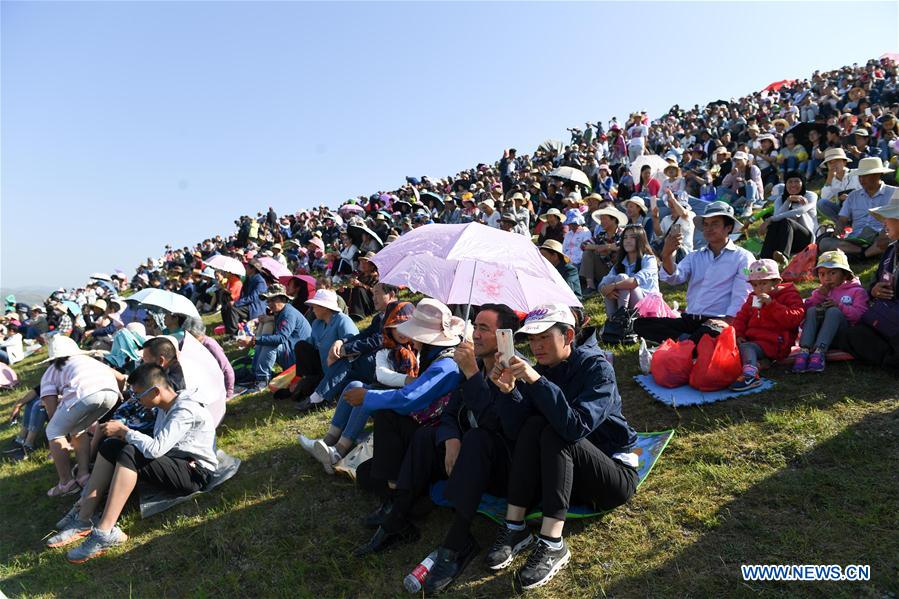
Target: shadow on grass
<point x="828" y="506"/>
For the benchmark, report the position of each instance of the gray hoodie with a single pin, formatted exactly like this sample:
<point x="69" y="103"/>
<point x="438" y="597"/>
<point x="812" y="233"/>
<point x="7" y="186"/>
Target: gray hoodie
<point x="186" y="430"/>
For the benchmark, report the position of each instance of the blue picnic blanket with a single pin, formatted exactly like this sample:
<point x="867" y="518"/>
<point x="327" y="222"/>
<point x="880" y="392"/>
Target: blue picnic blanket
<point x="649" y="447"/>
<point x="688" y="396"/>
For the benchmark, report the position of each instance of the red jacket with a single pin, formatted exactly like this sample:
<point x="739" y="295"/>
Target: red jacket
<point x="774" y="326"/>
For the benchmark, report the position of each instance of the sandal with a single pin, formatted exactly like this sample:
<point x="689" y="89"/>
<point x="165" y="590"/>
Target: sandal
<point x="82" y="480"/>
<point x="67" y="488"/>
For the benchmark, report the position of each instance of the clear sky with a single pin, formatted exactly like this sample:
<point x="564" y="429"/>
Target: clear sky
<point x="129" y="125"/>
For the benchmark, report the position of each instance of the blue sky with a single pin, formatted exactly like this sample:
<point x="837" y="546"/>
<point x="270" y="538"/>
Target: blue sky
<point x="126" y="126"/>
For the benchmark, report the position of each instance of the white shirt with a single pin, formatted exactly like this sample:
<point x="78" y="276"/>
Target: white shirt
<point x="716" y="285"/>
<point x="837" y="186"/>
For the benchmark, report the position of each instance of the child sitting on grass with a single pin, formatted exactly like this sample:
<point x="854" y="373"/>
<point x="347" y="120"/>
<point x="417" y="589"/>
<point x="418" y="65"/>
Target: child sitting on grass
<point x="838" y="303"/>
<point x="767" y="324"/>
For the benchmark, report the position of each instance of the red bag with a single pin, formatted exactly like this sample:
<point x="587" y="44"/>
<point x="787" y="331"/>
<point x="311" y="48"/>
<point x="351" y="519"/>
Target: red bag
<point x="284" y="380"/>
<point x="802" y="266"/>
<point x="672" y="362"/>
<point x="718" y="362"/>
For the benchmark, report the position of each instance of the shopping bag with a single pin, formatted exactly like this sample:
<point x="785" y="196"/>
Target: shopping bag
<point x="653" y="305"/>
<point x="672" y="363"/>
<point x="802" y="265"/>
<point x="283" y="380"/>
<point x="718" y="362"/>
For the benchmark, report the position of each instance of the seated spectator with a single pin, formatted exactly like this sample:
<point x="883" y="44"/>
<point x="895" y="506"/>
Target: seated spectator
<point x="576" y="237"/>
<point x="330" y="325"/>
<point x="399" y="413"/>
<point x="792" y="225"/>
<point x="743" y="187"/>
<point x="290" y="328"/>
<point x="673" y="181"/>
<point x="678" y="220"/>
<point x="552" y="251"/>
<point x="576" y="449"/>
<point x="837" y="185"/>
<point x="636" y="211"/>
<point x="767" y="324"/>
<point x="715" y="277"/>
<point x="792" y="156"/>
<point x="179" y="458"/>
<point x="867" y="237"/>
<point x="11" y="348"/>
<point x="126" y="347"/>
<point x="553" y="229"/>
<point x="837" y="304"/>
<point x="250" y="304"/>
<point x="600" y="252"/>
<point x="633" y="275"/>
<point x="76" y="390"/>
<point x="875" y="339"/>
<point x="647" y="187"/>
<point x="34" y="416"/>
<point x="396" y="365"/>
<point x="764" y="156"/>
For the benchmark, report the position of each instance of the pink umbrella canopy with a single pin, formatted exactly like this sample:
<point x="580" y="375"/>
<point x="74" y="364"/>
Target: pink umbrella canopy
<point x="227" y="264"/>
<point x="351" y="209"/>
<point x="273" y="267"/>
<point x="473" y="264"/>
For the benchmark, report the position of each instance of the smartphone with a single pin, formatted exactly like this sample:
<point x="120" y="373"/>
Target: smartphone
<point x="505" y="345"/>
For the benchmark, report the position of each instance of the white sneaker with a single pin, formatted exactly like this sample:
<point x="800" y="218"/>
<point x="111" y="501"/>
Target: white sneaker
<point x="325" y="454"/>
<point x="306" y="443"/>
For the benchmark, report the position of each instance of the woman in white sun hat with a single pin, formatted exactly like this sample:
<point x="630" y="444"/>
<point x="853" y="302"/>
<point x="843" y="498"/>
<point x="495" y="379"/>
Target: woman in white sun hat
<point x="77" y="390"/>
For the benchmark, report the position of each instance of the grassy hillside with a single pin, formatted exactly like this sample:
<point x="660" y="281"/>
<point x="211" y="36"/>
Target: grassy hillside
<point x="801" y="474"/>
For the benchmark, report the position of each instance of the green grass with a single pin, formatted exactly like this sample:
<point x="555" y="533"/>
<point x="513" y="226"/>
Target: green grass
<point x="801" y="474"/>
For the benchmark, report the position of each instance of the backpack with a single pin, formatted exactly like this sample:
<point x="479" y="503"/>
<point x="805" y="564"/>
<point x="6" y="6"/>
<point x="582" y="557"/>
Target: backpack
<point x="619" y="327"/>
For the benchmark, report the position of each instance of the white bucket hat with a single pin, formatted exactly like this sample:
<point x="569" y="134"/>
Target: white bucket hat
<point x="543" y="317"/>
<point x="888" y="210"/>
<point x="871" y="166"/>
<point x="326" y="299"/>
<point x="432" y="323"/>
<point x="61" y="346"/>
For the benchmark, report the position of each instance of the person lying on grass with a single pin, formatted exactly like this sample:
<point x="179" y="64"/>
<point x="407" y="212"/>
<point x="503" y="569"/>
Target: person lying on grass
<point x="577" y="448"/>
<point x="178" y="458"/>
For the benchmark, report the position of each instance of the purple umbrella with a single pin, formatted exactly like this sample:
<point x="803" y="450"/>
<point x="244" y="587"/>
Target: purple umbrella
<point x="273" y="267"/>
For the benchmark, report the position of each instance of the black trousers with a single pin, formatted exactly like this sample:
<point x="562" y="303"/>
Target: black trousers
<point x="866" y="344"/>
<point x="786" y="236"/>
<point x="548" y="468"/>
<point x="175" y="474"/>
<point x="393" y="436"/>
<point x="308" y="366"/>
<point x="232" y="315"/>
<point x="659" y="329"/>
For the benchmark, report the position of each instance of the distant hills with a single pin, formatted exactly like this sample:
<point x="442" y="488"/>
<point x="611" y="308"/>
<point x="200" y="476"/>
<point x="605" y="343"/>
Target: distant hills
<point x="29" y="295"/>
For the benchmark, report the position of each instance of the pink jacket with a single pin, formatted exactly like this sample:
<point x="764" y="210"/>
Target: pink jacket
<point x="850" y="297"/>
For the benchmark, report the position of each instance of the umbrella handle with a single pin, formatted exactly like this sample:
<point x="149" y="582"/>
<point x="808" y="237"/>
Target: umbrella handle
<point x="470" y="291"/>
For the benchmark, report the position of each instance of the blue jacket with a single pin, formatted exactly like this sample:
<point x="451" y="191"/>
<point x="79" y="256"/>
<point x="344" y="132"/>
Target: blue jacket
<point x="579" y="397"/>
<point x="439" y="379"/>
<point x="290" y="328"/>
<point x="500" y="413"/>
<point x="367" y="341"/>
<point x="252" y="288"/>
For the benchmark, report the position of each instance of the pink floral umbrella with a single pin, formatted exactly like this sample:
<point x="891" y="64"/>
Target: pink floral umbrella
<point x="275" y="268"/>
<point x="473" y="264"/>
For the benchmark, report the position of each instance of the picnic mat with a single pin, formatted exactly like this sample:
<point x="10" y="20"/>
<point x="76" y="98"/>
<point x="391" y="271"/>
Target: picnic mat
<point x="649" y="447"/>
<point x="686" y="395"/>
<point x="154" y="501"/>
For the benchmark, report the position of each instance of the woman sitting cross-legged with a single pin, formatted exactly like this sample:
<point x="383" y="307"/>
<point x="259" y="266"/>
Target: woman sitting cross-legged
<point x="635" y="273"/>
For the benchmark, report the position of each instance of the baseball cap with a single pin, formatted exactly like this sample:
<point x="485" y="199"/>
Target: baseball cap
<point x="544" y="316"/>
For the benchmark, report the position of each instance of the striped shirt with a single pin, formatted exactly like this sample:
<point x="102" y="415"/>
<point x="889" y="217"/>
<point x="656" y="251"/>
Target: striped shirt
<point x="79" y="377"/>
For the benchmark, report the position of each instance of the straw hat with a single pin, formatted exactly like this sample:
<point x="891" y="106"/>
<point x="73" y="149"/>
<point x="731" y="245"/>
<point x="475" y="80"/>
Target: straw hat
<point x="834" y="154"/>
<point x="99" y="305"/>
<point x="326" y="299"/>
<point x="764" y="270"/>
<point x="517" y="196"/>
<point x="636" y="201"/>
<point x="670" y="167"/>
<point x="871" y="166"/>
<point x="61" y="346"/>
<point x="552" y="212"/>
<point x="834" y="259"/>
<point x="488" y="202"/>
<point x="618" y="215"/>
<point x="888" y="210"/>
<point x="777" y="122"/>
<point x="432" y="323"/>
<point x="554" y="246"/>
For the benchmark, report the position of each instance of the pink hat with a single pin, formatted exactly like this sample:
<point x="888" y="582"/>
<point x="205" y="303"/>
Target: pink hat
<point x="764" y="270"/>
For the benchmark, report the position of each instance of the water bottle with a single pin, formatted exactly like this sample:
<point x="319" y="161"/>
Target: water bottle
<point x="416" y="577"/>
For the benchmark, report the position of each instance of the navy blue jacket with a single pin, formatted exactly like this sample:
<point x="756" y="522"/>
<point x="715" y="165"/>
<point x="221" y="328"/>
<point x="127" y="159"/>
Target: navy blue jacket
<point x="366" y="341"/>
<point x="497" y="412"/>
<point x="579" y="397"/>
<point x="252" y="288"/>
<point x="290" y="328"/>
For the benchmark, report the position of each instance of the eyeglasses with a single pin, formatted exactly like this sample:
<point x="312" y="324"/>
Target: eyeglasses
<point x="140" y="396"/>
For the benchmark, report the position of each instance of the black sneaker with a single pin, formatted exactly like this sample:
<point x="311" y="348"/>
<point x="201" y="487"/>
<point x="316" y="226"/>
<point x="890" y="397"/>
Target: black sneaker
<point x="448" y="566"/>
<point x="543" y="563"/>
<point x="383" y="540"/>
<point x="19" y="453"/>
<point x="507" y="545"/>
<point x="377" y="517"/>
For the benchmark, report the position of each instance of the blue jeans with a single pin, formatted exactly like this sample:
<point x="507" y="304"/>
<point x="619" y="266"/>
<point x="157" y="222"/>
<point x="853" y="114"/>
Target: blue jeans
<point x="34" y="415"/>
<point x="342" y="371"/>
<point x="265" y="358"/>
<point x="819" y="332"/>
<point x="350" y="419"/>
<point x="811" y="167"/>
<point x="829" y="209"/>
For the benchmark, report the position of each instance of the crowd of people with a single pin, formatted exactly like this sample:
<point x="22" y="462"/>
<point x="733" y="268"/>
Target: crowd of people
<point x="136" y="390"/>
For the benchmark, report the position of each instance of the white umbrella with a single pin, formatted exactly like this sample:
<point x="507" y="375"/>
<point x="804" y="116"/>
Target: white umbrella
<point x="171" y="302"/>
<point x="101" y="276"/>
<point x="655" y="162"/>
<point x="227" y="264"/>
<point x="572" y="174"/>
